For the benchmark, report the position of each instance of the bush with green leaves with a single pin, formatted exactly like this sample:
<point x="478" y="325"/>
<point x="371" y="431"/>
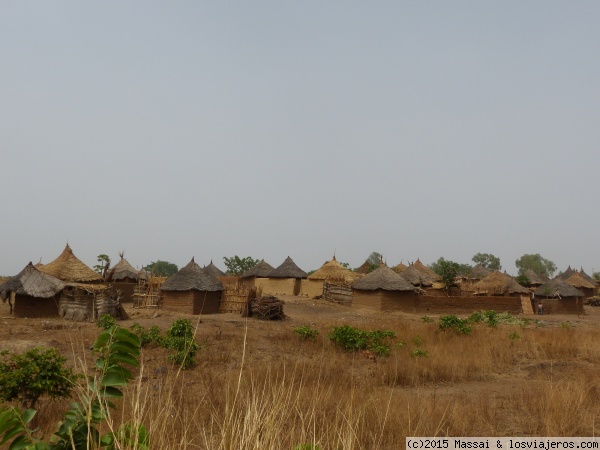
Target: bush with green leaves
<point x="81" y="425"/>
<point x="180" y="337"/>
<point x="490" y="318"/>
<point x="354" y="339"/>
<point x="452" y="322"/>
<point x="152" y="335"/>
<point x="306" y="332"/>
<point x="106" y="321"/>
<point x="37" y="372"/>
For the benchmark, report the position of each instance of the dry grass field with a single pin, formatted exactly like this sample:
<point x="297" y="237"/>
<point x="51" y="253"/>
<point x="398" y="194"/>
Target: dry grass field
<point x="257" y="385"/>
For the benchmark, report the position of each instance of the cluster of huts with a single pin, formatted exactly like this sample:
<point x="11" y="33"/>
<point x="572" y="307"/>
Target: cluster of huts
<point x="66" y="287"/>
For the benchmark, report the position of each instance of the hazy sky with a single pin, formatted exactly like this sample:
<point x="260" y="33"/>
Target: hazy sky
<point x="275" y="128"/>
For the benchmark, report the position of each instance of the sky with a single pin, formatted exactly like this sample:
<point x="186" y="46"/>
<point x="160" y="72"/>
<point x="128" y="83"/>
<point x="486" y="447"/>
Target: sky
<point x="272" y="128"/>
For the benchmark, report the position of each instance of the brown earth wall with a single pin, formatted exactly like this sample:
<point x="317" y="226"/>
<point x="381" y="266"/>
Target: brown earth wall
<point x="191" y="302"/>
<point x="276" y="286"/>
<point x="455" y="305"/>
<point x="311" y="288"/>
<point x="26" y="306"/>
<point x="127" y="288"/>
<point x="560" y="306"/>
<point x="381" y="300"/>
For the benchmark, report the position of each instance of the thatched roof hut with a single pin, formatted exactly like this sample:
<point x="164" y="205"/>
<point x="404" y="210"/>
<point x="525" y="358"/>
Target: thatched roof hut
<point x="426" y="270"/>
<point x="478" y="272"/>
<point x="415" y="277"/>
<point x="587" y="277"/>
<point x="399" y="268"/>
<point x="534" y="278"/>
<point x="261" y="270"/>
<point x="332" y="270"/>
<point x="567" y="273"/>
<point x="31" y="282"/>
<point x="584" y="286"/>
<point x="383" y="290"/>
<point x="213" y="270"/>
<point x="67" y="267"/>
<point x="288" y="269"/>
<point x="122" y="271"/>
<point x="363" y="268"/>
<point x="498" y="283"/>
<point x="382" y="278"/>
<point x="191" y="290"/>
<point x="557" y="288"/>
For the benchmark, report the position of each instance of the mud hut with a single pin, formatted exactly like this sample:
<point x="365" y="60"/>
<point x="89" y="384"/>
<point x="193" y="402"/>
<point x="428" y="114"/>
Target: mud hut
<point x="498" y="283"/>
<point x="558" y="297"/>
<point x="587" y="277"/>
<point x="399" y="268"/>
<point x="32" y="293"/>
<point x="259" y="271"/>
<point x="577" y="281"/>
<point x="417" y="278"/>
<point x="213" y="270"/>
<point x="192" y="291"/>
<point x="124" y="278"/>
<point x="383" y="290"/>
<point x="427" y="271"/>
<point x="331" y="270"/>
<point x="567" y="273"/>
<point x="283" y="280"/>
<point x="67" y="267"/>
<point x="478" y="273"/>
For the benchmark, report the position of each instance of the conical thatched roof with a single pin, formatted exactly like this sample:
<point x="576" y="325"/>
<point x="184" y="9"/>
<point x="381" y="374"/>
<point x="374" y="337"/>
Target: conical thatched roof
<point x="31" y="281"/>
<point x="332" y="269"/>
<point x="121" y="271"/>
<point x="399" y="268"/>
<point x="534" y="278"/>
<point x="288" y="269"/>
<point x="426" y="270"/>
<point x="415" y="277"/>
<point x="498" y="283"/>
<point x="382" y="278"/>
<point x="261" y="270"/>
<point x="479" y="272"/>
<point x="67" y="267"/>
<point x="192" y="277"/>
<point x="577" y="281"/>
<point x="567" y="273"/>
<point x="213" y="270"/>
<point x="587" y="277"/>
<point x="557" y="287"/>
<point x="364" y="267"/>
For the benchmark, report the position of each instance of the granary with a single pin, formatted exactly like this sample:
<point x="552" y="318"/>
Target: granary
<point x="191" y="291"/>
<point x="32" y="293"/>
<point x="383" y="290"/>
<point x="284" y="280"/>
<point x="499" y="284"/>
<point x="85" y="296"/>
<point x="125" y="278"/>
<point x="213" y="270"/>
<point x="558" y="297"/>
<point x="415" y="277"/>
<point x="587" y="288"/>
<point x="261" y="270"/>
<point x="331" y="271"/>
<point x="426" y="270"/>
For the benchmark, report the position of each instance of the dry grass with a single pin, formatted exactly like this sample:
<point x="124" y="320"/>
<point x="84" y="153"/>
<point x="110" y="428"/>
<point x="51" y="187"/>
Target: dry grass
<point x="261" y="387"/>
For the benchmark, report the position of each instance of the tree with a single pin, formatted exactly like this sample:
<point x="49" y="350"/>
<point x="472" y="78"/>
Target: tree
<point x="537" y="263"/>
<point x="103" y="264"/>
<point x="162" y="268"/>
<point x="438" y="267"/>
<point x="449" y="270"/>
<point x="374" y="259"/>
<point x="596" y="276"/>
<point x="237" y="266"/>
<point x="33" y="374"/>
<point x="487" y="260"/>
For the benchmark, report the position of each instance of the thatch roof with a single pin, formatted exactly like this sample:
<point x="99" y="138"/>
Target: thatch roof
<point x="382" y="278"/>
<point x="261" y="270"/>
<point x="498" y="283"/>
<point x="67" y="267"/>
<point x="426" y="270"/>
<point x="577" y="281"/>
<point x="213" y="270"/>
<point x="192" y="277"/>
<point x="332" y="269"/>
<point x="587" y="277"/>
<point x="31" y="281"/>
<point x="364" y="267"/>
<point x="415" y="277"/>
<point x="288" y="269"/>
<point x="557" y="287"/>
<point x="479" y="272"/>
<point x="534" y="278"/>
<point x="567" y="273"/>
<point x="399" y="268"/>
<point x="122" y="270"/>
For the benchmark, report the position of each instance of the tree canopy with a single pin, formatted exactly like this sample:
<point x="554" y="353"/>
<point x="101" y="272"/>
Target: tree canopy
<point x="237" y="266"/>
<point x="537" y="263"/>
<point x="448" y="270"/>
<point x="487" y="260"/>
<point x="439" y="267"/>
<point x="162" y="268"/>
<point x="103" y="264"/>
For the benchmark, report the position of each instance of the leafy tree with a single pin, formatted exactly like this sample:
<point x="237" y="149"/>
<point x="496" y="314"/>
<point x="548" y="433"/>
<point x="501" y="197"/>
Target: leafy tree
<point x="537" y="263"/>
<point x="596" y="276"/>
<point x="438" y="267"/>
<point x="523" y="280"/>
<point x="33" y="374"/>
<point x="487" y="260"/>
<point x="162" y="268"/>
<point x="375" y="258"/>
<point x="237" y="266"/>
<point x="449" y="270"/>
<point x="103" y="264"/>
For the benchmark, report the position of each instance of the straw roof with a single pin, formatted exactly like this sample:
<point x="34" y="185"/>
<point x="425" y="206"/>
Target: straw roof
<point x="577" y="281"/>
<point x="261" y="270"/>
<point x="364" y="267"/>
<point x="498" y="283"/>
<point x="415" y="277"/>
<point x="213" y="270"/>
<point x="587" y="277"/>
<point x="30" y="281"/>
<point x="192" y="277"/>
<point x="288" y="269"/>
<point x="567" y="273"/>
<point x="399" y="268"/>
<point x="382" y="278"/>
<point x="426" y="270"/>
<point x="535" y="278"/>
<point x="479" y="272"/>
<point x="121" y="271"/>
<point x="332" y="269"/>
<point x="67" y="267"/>
<point x="557" y="288"/>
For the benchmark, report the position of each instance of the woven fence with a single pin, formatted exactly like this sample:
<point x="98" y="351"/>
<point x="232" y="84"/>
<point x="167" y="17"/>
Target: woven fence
<point x="234" y="298"/>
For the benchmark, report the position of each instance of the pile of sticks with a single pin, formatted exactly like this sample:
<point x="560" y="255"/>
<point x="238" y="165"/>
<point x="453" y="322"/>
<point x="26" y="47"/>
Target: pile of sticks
<point x="267" y="308"/>
<point x="592" y="301"/>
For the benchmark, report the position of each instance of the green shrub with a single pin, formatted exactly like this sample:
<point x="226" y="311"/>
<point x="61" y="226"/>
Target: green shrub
<point x="354" y="339"/>
<point x="418" y="353"/>
<point x="180" y="337"/>
<point x="106" y="322"/>
<point x="454" y="323"/>
<point x="427" y="319"/>
<point x="306" y="332"/>
<point x="153" y="335"/>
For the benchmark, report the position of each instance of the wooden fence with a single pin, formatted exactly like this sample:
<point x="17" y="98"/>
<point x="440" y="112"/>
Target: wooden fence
<point x="337" y="293"/>
<point x="234" y="297"/>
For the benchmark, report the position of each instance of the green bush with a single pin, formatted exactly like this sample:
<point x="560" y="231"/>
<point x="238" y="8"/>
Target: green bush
<point x="180" y="337"/>
<point x="106" y="322"/>
<point x="354" y="339"/>
<point x="427" y="319"/>
<point x="418" y="353"/>
<point x="306" y="332"/>
<point x="153" y="335"/>
<point x="452" y="322"/>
